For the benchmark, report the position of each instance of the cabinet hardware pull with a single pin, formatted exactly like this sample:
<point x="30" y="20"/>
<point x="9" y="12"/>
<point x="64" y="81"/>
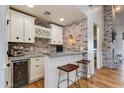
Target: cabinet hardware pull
<point x="8" y="21"/>
<point x="17" y="37"/>
<point x="8" y="65"/>
<point x="7" y="83"/>
<point x="29" y="38"/>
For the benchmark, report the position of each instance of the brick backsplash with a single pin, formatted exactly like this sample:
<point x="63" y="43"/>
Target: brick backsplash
<point x="40" y="46"/>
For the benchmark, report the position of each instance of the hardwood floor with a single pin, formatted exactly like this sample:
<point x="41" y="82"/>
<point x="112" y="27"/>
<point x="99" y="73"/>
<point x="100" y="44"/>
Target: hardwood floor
<point x="37" y="84"/>
<point x="103" y="78"/>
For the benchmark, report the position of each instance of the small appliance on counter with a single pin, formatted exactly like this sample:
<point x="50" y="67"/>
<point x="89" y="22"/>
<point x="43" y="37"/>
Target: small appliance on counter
<point x="16" y="51"/>
<point x="59" y="48"/>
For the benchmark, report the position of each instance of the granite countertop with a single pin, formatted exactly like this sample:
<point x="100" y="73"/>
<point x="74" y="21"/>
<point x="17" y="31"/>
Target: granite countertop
<point x="62" y="54"/>
<point x="48" y="54"/>
<point x="26" y="57"/>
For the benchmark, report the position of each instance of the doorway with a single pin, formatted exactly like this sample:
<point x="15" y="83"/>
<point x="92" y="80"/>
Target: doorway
<point x="95" y="33"/>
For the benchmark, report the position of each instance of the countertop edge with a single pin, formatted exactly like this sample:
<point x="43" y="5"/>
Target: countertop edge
<point x="43" y="54"/>
<point x="63" y="54"/>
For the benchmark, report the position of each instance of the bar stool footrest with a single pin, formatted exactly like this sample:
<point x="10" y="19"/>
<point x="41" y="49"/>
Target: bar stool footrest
<point x="70" y="81"/>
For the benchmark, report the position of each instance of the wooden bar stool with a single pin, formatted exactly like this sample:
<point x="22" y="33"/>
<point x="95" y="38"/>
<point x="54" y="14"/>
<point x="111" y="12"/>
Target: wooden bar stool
<point x="85" y="65"/>
<point x="68" y="68"/>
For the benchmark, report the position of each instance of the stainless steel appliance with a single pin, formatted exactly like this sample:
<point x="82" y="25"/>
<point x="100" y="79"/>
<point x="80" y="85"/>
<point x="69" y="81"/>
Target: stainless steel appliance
<point x="59" y="48"/>
<point x="20" y="73"/>
<point x="16" y="51"/>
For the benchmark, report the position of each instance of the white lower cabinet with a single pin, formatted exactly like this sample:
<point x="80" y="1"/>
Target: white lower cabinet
<point x="36" y="68"/>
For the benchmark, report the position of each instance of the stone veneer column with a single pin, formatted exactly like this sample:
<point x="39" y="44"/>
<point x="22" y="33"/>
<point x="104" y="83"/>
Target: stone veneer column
<point x="108" y="44"/>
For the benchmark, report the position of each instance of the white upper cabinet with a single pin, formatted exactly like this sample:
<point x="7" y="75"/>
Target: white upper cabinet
<point x="56" y="34"/>
<point x="21" y="27"/>
<point x="29" y="29"/>
<point x="16" y="27"/>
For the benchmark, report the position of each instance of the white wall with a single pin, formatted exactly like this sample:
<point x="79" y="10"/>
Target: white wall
<point x="95" y="15"/>
<point x="2" y="46"/>
<point x="119" y="42"/>
<point x="119" y="29"/>
<point x="97" y="18"/>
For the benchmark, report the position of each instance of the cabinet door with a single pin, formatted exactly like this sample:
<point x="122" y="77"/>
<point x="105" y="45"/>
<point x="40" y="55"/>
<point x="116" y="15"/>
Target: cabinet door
<point x="56" y="34"/>
<point x="32" y="71"/>
<point x="17" y="25"/>
<point x="8" y="26"/>
<point x="53" y="34"/>
<point x="60" y="35"/>
<point x="29" y="29"/>
<point x="36" y="68"/>
<point x="41" y="69"/>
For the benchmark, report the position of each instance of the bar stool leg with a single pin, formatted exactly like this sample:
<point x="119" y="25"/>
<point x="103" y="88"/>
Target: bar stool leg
<point x="68" y="79"/>
<point x="76" y="76"/>
<point x="86" y="73"/>
<point x="90" y="73"/>
<point x="59" y="78"/>
<point x="83" y="72"/>
<point x="84" y="69"/>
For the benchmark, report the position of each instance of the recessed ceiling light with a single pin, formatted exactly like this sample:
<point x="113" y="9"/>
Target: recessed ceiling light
<point x="118" y="8"/>
<point x="31" y="6"/>
<point x="61" y="19"/>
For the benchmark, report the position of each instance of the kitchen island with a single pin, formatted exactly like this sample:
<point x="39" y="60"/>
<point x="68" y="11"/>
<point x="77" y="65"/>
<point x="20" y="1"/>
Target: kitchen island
<point x="52" y="61"/>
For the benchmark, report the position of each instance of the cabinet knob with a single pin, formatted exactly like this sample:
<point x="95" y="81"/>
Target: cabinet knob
<point x="7" y="83"/>
<point x="17" y="37"/>
<point x="8" y="65"/>
<point x="54" y="41"/>
<point x="8" y="21"/>
<point x="29" y="39"/>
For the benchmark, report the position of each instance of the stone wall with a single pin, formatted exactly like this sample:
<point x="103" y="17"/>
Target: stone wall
<point x="108" y="43"/>
<point x="78" y="31"/>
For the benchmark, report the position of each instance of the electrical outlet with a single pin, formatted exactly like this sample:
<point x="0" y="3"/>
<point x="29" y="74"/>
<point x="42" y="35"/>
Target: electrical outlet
<point x="31" y="49"/>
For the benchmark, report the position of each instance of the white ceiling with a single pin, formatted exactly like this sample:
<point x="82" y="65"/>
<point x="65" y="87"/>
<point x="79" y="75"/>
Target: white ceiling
<point x="121" y="9"/>
<point x="86" y="9"/>
<point x="69" y="12"/>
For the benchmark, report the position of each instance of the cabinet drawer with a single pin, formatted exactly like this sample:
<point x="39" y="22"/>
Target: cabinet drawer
<point x="38" y="59"/>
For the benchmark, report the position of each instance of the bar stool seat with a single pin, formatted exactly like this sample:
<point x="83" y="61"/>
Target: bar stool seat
<point x="68" y="68"/>
<point x="85" y="62"/>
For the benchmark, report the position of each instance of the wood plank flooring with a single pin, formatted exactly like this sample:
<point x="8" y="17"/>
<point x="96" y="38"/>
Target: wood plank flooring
<point x="103" y="78"/>
<point x="37" y="84"/>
